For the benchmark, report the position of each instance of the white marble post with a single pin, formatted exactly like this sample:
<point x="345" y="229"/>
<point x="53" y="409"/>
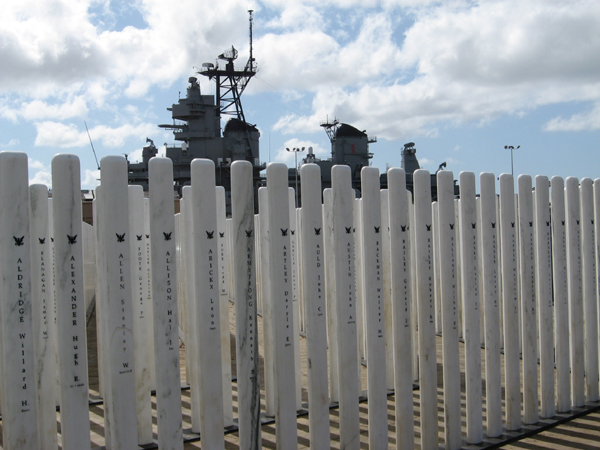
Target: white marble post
<point x="89" y="263"/>
<point x="415" y="309"/>
<point x="458" y="267"/>
<point x="280" y="264"/>
<point x="470" y="306"/>
<point x="120" y="395"/>
<point x="574" y="271"/>
<point x="207" y="319"/>
<point x="186" y="292"/>
<point x="189" y="317"/>
<point x="295" y="292"/>
<point x="313" y="269"/>
<point x="330" y="294"/>
<point x="264" y="286"/>
<point x="543" y="244"/>
<point x="244" y="278"/>
<point x="426" y="306"/>
<point x="499" y="236"/>
<point x="512" y="351"/>
<point x="43" y="316"/>
<point x="528" y="300"/>
<point x="373" y="296"/>
<point x="401" y="308"/>
<point x="436" y="267"/>
<point x="149" y="290"/>
<point x="70" y="314"/>
<point x="258" y="248"/>
<point x="301" y="318"/>
<point x="449" y="304"/>
<point x="387" y="287"/>
<point x="561" y="298"/>
<point x="19" y="394"/>
<point x="343" y="249"/>
<point x="358" y="267"/>
<point x="480" y="273"/>
<point x="224" y="257"/>
<point x="590" y="299"/>
<point x="596" y="202"/>
<point x="518" y="237"/>
<point x="143" y="335"/>
<point x="100" y="301"/>
<point x="164" y="295"/>
<point x="52" y="297"/>
<point x="489" y="252"/>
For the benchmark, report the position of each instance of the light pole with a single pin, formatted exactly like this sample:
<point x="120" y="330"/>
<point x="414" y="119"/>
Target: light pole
<point x="511" y="148"/>
<point x="296" y="150"/>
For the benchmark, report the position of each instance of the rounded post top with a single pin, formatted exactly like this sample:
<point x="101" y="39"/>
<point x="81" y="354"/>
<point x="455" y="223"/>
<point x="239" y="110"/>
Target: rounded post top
<point x="369" y="171"/>
<point x="113" y="159"/>
<point x="203" y="162"/>
<point x="202" y="169"/>
<point x="486" y="177"/>
<point x="241" y="164"/>
<point x="276" y="167"/>
<point x="340" y="170"/>
<point x="523" y="177"/>
<point x="394" y="171"/>
<point x="136" y="188"/>
<point x="572" y="181"/>
<point x="64" y="158"/>
<point x="444" y="176"/>
<point x="309" y="169"/>
<point x="160" y="161"/>
<point x="9" y="155"/>
<point x="465" y="176"/>
<point x="38" y="187"/>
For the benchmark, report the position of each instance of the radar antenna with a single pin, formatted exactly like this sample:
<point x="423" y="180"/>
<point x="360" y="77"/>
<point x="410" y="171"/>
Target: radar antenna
<point x="230" y="83"/>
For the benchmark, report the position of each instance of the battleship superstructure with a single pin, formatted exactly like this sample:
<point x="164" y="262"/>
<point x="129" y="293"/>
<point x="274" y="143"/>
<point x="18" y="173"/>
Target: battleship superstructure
<point x="349" y="146"/>
<point x="197" y="125"/>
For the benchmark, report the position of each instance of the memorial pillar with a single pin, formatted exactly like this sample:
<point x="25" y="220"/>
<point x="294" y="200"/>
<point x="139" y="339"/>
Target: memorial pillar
<point x="313" y="280"/>
<point x="244" y="279"/>
<point x="401" y="278"/>
<point x="70" y="314"/>
<point x="164" y="295"/>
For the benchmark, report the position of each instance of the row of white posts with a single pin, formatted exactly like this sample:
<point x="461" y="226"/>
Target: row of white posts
<point x="364" y="280"/>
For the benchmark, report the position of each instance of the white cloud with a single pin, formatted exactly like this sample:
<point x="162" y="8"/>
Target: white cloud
<point x="471" y="64"/>
<point x="41" y="172"/>
<point x="90" y="179"/>
<point x="40" y="110"/>
<point x="55" y="134"/>
<point x="34" y="164"/>
<point x="297" y="16"/>
<point x="587" y="121"/>
<point x="135" y="155"/>
<point x="41" y="177"/>
<point x="10" y="144"/>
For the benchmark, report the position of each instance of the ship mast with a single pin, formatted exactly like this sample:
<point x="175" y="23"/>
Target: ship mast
<point x="230" y="83"/>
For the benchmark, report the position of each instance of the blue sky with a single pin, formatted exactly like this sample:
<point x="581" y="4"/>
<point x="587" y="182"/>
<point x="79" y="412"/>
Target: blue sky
<point x="461" y="79"/>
